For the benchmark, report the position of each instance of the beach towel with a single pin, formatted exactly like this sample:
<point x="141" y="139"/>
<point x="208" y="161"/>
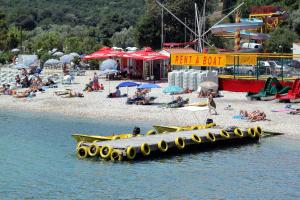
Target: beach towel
<point x="282" y="110"/>
<point x="239" y="117"/>
<point x="194" y="108"/>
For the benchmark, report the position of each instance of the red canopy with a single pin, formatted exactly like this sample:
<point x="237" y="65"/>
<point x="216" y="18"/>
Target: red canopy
<point x="146" y="54"/>
<point x="105" y="52"/>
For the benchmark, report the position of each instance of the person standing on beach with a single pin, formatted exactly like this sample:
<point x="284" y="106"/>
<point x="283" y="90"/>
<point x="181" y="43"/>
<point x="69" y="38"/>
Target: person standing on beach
<point x="95" y="82"/>
<point x="211" y="103"/>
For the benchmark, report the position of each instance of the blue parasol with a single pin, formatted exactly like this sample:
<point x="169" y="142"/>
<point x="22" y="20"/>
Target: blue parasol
<point x="128" y="84"/>
<point x="148" y="86"/>
<point x="172" y="89"/>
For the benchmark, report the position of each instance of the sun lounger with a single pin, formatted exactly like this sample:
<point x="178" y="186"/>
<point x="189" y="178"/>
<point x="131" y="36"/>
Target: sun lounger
<point x="270" y="89"/>
<point x="293" y="94"/>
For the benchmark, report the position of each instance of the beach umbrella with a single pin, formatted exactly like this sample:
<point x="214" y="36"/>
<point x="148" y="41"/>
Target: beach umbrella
<point x="66" y="58"/>
<point x="58" y="53"/>
<point x="15" y="50"/>
<point x="148" y="86"/>
<point x="108" y="71"/>
<point x="209" y="85"/>
<point x="128" y="84"/>
<point x="74" y="54"/>
<point x="108" y="64"/>
<point x="172" y="89"/>
<point x="52" y="62"/>
<point x="20" y="66"/>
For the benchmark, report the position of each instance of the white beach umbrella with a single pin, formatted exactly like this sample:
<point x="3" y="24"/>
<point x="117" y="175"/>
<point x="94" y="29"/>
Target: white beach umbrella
<point x="108" y="64"/>
<point x="74" y="54"/>
<point x="58" y="53"/>
<point x="209" y="85"/>
<point x="66" y="58"/>
<point x="53" y="62"/>
<point x="15" y="50"/>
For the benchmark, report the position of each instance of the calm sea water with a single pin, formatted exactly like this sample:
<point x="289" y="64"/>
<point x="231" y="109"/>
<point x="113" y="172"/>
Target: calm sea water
<point x="38" y="162"/>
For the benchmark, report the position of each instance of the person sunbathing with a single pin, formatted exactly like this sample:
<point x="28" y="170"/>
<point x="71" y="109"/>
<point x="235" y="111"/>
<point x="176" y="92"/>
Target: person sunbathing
<point x="253" y="116"/>
<point x="49" y="82"/>
<point x="27" y="93"/>
<point x="72" y="94"/>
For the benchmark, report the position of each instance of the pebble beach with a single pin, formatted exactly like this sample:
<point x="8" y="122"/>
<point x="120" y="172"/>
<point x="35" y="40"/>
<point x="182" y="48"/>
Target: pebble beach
<point x="96" y="106"/>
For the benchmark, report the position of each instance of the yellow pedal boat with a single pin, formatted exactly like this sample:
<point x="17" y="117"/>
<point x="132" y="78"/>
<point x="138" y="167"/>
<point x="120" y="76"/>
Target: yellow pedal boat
<point x="162" y="129"/>
<point x="92" y="138"/>
<point x="159" y="129"/>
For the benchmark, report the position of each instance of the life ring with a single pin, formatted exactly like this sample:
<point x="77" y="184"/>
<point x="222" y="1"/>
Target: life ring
<point x="130" y="153"/>
<point x="238" y="132"/>
<point x="116" y="137"/>
<point x="162" y="146"/>
<point x="258" y="130"/>
<point x="211" y="137"/>
<point x="93" y="149"/>
<point x="180" y="143"/>
<point x="151" y="132"/>
<point x="105" y="151"/>
<point x="251" y="132"/>
<point x="79" y="144"/>
<point x="196" y="139"/>
<point x="224" y="134"/>
<point x="116" y="155"/>
<point x="145" y="149"/>
<point x="210" y="125"/>
<point x="82" y="152"/>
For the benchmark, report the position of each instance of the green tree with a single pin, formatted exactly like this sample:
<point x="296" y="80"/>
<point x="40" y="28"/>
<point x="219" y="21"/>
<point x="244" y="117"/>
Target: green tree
<point x="13" y="37"/>
<point x="72" y="44"/>
<point x="296" y="21"/>
<point x="281" y="37"/>
<point x="124" y="38"/>
<point x="3" y="31"/>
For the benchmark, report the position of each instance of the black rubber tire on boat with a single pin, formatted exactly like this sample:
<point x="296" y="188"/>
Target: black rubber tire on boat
<point x="105" y="151"/>
<point x="238" y="132"/>
<point x="211" y="137"/>
<point x="224" y="134"/>
<point x="180" y="142"/>
<point x="145" y="149"/>
<point x="196" y="139"/>
<point x="162" y="146"/>
<point x="251" y="132"/>
<point x="130" y="153"/>
<point x="82" y="152"/>
<point x="116" y="155"/>
<point x="93" y="149"/>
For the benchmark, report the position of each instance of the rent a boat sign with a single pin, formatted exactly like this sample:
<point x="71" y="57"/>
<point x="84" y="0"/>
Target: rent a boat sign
<point x="197" y="59"/>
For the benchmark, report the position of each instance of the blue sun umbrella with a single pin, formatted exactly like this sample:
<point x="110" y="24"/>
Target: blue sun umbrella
<point x="148" y="86"/>
<point x="172" y="89"/>
<point x="128" y="84"/>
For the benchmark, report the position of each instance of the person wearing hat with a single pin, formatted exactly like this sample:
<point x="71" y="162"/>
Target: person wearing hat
<point x="136" y="131"/>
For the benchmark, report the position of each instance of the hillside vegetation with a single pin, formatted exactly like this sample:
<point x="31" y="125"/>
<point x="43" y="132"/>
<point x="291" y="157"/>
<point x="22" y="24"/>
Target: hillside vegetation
<point x="37" y="26"/>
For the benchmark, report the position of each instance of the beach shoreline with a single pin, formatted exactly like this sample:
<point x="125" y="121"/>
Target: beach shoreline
<point x="96" y="106"/>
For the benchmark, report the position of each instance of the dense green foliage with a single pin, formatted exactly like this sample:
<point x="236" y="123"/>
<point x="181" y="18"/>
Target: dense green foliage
<point x="37" y="26"/>
<point x="69" y="25"/>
